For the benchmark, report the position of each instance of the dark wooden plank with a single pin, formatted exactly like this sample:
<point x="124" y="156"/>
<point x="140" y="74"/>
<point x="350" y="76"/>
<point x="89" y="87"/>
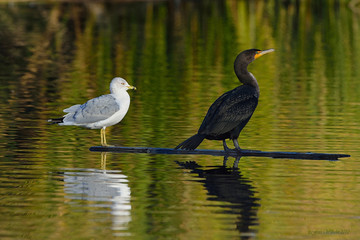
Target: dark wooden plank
<point x="232" y="153"/>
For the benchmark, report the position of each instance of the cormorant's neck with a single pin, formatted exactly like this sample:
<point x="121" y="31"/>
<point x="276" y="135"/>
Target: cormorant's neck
<point x="244" y="75"/>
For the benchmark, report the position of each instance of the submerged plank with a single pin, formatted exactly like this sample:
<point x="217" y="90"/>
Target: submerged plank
<point x="233" y="153"/>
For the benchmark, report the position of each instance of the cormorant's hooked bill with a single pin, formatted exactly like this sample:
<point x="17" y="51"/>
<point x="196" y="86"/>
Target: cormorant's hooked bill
<point x="229" y="114"/>
<point x="261" y="53"/>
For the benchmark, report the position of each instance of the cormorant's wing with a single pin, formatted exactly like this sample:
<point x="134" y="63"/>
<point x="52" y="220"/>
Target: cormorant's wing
<point x="230" y="110"/>
<point x="96" y="109"/>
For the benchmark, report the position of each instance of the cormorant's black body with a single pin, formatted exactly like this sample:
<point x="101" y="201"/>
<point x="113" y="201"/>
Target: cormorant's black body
<point x="229" y="114"/>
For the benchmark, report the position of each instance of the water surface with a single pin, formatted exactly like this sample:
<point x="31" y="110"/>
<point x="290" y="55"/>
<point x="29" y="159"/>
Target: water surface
<point x="179" y="55"/>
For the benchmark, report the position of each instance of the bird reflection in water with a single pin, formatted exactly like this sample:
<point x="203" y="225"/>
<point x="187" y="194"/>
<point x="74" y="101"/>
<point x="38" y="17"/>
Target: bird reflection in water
<point x="106" y="189"/>
<point x="229" y="186"/>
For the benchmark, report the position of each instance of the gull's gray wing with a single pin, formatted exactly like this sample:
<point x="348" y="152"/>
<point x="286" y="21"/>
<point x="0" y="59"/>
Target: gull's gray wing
<point x="96" y="109"/>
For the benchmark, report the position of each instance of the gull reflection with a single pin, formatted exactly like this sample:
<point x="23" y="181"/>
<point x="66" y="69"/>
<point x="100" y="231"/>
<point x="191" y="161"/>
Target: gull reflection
<point x="229" y="186"/>
<point x="109" y="189"/>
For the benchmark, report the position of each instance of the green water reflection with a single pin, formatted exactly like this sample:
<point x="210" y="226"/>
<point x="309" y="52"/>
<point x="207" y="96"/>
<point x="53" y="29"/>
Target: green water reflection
<point x="179" y="55"/>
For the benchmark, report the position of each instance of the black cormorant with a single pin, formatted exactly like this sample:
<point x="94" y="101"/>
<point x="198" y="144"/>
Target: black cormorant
<point x="229" y="114"/>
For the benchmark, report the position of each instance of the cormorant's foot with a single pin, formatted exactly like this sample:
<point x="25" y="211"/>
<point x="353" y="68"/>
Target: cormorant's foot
<point x="238" y="150"/>
<point x="237" y="147"/>
<point x="226" y="149"/>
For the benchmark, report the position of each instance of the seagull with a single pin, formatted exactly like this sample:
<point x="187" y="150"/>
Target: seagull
<point x="100" y="112"/>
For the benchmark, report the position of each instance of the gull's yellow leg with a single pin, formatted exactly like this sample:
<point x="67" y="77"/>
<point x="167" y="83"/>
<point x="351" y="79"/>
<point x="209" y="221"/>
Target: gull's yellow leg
<point x="101" y="137"/>
<point x="104" y="141"/>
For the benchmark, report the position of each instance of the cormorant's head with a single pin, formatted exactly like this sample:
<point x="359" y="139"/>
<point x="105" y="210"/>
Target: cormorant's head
<point x="243" y="60"/>
<point x="247" y="56"/>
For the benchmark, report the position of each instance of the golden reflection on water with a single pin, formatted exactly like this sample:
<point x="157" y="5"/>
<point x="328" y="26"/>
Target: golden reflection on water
<point x="180" y="56"/>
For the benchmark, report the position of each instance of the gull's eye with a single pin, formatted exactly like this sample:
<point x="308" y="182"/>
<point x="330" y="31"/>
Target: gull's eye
<point x="122" y="83"/>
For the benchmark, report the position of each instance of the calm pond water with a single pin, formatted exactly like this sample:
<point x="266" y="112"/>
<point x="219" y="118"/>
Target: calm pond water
<point x="179" y="55"/>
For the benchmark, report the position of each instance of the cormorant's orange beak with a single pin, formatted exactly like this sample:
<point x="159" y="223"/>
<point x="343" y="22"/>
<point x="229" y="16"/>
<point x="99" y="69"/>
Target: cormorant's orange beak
<point x="260" y="53"/>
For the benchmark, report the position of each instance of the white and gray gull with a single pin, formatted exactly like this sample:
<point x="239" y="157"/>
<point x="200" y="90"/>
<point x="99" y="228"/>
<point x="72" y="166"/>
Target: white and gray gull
<point x="100" y="112"/>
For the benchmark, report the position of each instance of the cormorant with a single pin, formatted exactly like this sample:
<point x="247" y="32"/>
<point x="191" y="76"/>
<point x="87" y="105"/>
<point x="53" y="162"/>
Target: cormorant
<point x="100" y="112"/>
<point x="229" y="114"/>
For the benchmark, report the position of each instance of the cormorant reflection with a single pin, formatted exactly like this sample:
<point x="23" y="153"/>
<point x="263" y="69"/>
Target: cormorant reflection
<point x="228" y="185"/>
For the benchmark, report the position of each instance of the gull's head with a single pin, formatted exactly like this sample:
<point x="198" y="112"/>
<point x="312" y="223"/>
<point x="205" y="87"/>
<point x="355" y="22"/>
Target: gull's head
<point x="119" y="83"/>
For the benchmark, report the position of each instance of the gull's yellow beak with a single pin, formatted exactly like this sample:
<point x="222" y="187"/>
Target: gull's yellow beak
<point x="261" y="53"/>
<point x="131" y="87"/>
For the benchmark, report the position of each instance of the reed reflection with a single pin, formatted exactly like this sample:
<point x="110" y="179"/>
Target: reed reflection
<point x="229" y="186"/>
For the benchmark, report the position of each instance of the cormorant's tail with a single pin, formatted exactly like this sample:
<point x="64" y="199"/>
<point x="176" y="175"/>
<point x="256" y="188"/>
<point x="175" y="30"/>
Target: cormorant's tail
<point x="56" y="120"/>
<point x="191" y="143"/>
